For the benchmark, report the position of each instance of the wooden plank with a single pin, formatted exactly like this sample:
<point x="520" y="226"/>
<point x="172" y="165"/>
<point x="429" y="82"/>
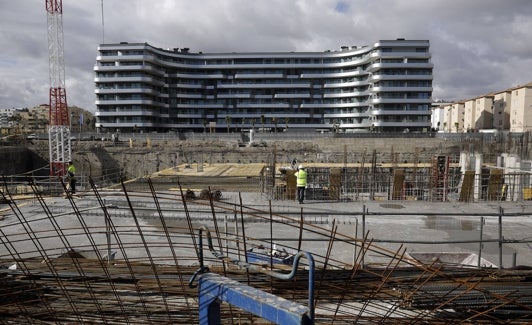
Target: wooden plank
<point x="466" y="192"/>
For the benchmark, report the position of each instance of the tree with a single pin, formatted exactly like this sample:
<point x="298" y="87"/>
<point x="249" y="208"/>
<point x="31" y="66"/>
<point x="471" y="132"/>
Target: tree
<point x="274" y="121"/>
<point x="91" y="123"/>
<point x="262" y="120"/>
<point x="204" y="125"/>
<point x="253" y="121"/>
<point x="228" y="122"/>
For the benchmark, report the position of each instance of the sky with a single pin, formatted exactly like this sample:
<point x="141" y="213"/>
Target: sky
<point x="477" y="46"/>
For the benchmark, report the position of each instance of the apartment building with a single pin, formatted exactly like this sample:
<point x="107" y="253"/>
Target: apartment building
<point x="478" y="113"/>
<point x="509" y="110"/>
<point x="7" y="116"/>
<point x="521" y="108"/>
<point x="501" y="110"/>
<point x="453" y="118"/>
<point x="437" y="115"/>
<point x="483" y="118"/>
<point x="469" y="115"/>
<point x="385" y="87"/>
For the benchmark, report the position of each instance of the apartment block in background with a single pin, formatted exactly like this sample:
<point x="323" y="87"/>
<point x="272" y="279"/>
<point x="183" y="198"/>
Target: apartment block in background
<point x="521" y="108"/>
<point x="501" y="110"/>
<point x="507" y="110"/>
<point x="385" y="87"/>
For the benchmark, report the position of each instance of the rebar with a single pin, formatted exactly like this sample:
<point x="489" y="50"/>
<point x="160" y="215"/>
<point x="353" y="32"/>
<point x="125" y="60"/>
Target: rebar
<point x="52" y="268"/>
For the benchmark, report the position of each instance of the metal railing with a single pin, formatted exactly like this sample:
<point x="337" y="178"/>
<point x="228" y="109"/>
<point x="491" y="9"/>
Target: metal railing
<point x="25" y="184"/>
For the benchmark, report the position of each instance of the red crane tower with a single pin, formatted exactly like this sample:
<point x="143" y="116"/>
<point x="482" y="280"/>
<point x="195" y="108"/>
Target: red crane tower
<point x="59" y="127"/>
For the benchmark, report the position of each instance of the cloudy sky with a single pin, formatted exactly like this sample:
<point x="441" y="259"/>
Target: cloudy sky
<point x="477" y="46"/>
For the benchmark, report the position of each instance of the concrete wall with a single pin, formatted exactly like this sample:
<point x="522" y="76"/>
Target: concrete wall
<point x="142" y="157"/>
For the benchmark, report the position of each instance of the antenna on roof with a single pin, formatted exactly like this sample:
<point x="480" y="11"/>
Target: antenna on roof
<point x="103" y="26"/>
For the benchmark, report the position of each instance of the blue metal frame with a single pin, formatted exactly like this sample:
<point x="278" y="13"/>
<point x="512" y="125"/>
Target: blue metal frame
<point x="214" y="288"/>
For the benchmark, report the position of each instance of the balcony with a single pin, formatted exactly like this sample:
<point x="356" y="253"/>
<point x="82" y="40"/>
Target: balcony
<point x="346" y="94"/>
<point x="403" y="123"/>
<point x="121" y="113"/>
<point x="104" y="91"/>
<point x="264" y="85"/>
<point x="400" y="100"/>
<point x="300" y="95"/>
<point x="143" y="79"/>
<point x="334" y="74"/>
<point x="236" y="96"/>
<point x="382" y="112"/>
<point x="377" y="77"/>
<point x="145" y="102"/>
<point x="259" y="75"/>
<point x="400" y="89"/>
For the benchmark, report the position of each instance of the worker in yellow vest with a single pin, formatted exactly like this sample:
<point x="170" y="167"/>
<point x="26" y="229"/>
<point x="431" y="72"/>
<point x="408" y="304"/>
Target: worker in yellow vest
<point x="301" y="183"/>
<point x="71" y="170"/>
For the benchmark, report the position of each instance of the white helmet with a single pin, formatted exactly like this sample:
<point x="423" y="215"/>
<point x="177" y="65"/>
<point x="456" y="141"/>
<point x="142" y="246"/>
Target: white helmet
<point x="300" y="167"/>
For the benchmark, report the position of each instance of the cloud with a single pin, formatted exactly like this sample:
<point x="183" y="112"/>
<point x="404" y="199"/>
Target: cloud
<point x="477" y="46"/>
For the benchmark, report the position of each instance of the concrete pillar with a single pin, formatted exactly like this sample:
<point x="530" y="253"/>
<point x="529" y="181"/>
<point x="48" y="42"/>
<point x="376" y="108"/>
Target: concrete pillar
<point x="512" y="164"/>
<point x="478" y="172"/>
<point x="465" y="162"/>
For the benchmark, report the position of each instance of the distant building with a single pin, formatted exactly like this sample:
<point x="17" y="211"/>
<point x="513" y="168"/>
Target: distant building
<point x="483" y="117"/>
<point x="453" y="120"/>
<point x="7" y="117"/>
<point x="437" y="117"/>
<point x="386" y="87"/>
<point x="521" y="108"/>
<point x="501" y="110"/>
<point x="507" y="110"/>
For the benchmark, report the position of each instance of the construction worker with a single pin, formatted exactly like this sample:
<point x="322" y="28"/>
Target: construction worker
<point x="71" y="171"/>
<point x="301" y="183"/>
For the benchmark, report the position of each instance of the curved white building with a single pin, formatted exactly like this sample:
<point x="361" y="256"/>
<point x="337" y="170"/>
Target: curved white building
<point x="386" y="87"/>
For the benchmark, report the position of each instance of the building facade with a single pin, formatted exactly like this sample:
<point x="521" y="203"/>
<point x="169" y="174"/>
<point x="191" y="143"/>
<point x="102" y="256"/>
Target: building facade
<point x="469" y="115"/>
<point x="478" y="113"/>
<point x="521" y="108"/>
<point x="501" y="110"/>
<point x="453" y="120"/>
<point x="380" y="88"/>
<point x="7" y="117"/>
<point x="507" y="110"/>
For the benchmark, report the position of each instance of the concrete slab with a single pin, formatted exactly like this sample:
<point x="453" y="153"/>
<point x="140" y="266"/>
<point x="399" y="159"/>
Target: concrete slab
<point x="213" y="170"/>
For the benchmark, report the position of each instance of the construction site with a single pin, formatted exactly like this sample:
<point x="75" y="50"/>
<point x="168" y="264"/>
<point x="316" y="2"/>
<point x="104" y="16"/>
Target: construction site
<point x="404" y="236"/>
<point x="204" y="229"/>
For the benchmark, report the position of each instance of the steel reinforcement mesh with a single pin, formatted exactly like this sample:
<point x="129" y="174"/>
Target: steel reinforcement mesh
<point x="124" y="256"/>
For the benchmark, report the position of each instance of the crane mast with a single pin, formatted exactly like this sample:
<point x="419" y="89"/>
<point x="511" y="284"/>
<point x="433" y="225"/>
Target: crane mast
<point x="59" y="127"/>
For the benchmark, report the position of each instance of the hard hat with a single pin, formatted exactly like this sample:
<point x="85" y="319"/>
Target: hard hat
<point x="300" y="167"/>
